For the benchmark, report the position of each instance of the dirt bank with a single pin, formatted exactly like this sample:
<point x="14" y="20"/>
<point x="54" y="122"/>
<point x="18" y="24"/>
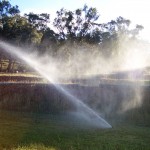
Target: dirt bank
<point x="109" y="100"/>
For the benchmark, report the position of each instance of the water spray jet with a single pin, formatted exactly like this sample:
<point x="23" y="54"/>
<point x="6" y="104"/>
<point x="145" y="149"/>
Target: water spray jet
<point x="91" y="116"/>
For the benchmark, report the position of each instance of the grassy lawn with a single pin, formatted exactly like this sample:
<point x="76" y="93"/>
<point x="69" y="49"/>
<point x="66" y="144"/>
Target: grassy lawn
<point x="31" y="131"/>
<point x="23" y="131"/>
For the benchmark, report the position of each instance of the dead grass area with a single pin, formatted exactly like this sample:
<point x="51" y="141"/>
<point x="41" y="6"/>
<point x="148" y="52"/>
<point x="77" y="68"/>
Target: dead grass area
<point x="21" y="77"/>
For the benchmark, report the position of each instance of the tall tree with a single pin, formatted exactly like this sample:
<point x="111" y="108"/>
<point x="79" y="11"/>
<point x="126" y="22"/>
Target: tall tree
<point x="39" y="21"/>
<point x="6" y="9"/>
<point x="6" y="12"/>
<point x="75" y="24"/>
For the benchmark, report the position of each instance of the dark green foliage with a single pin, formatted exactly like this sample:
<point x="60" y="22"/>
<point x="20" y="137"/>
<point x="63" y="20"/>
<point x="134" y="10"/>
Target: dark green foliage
<point x="39" y="21"/>
<point x="80" y="25"/>
<point x="6" y="9"/>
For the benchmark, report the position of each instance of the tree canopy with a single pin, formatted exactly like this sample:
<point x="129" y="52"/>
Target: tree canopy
<point x="77" y="27"/>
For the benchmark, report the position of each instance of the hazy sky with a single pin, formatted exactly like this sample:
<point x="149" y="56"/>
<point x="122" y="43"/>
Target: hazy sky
<point x="138" y="11"/>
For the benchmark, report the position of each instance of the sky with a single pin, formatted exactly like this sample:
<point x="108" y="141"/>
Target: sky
<point x="137" y="11"/>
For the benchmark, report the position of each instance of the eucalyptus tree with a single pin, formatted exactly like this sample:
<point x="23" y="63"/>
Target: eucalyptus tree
<point x="6" y="12"/>
<point x="6" y="9"/>
<point x="38" y="21"/>
<point x="75" y="24"/>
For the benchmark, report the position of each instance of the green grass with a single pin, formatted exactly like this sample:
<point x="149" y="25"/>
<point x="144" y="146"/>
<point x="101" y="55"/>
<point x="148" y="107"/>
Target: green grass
<point x="22" y="131"/>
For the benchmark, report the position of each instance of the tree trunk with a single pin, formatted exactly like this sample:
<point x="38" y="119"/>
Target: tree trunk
<point x="12" y="67"/>
<point x="1" y="65"/>
<point x="9" y="68"/>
